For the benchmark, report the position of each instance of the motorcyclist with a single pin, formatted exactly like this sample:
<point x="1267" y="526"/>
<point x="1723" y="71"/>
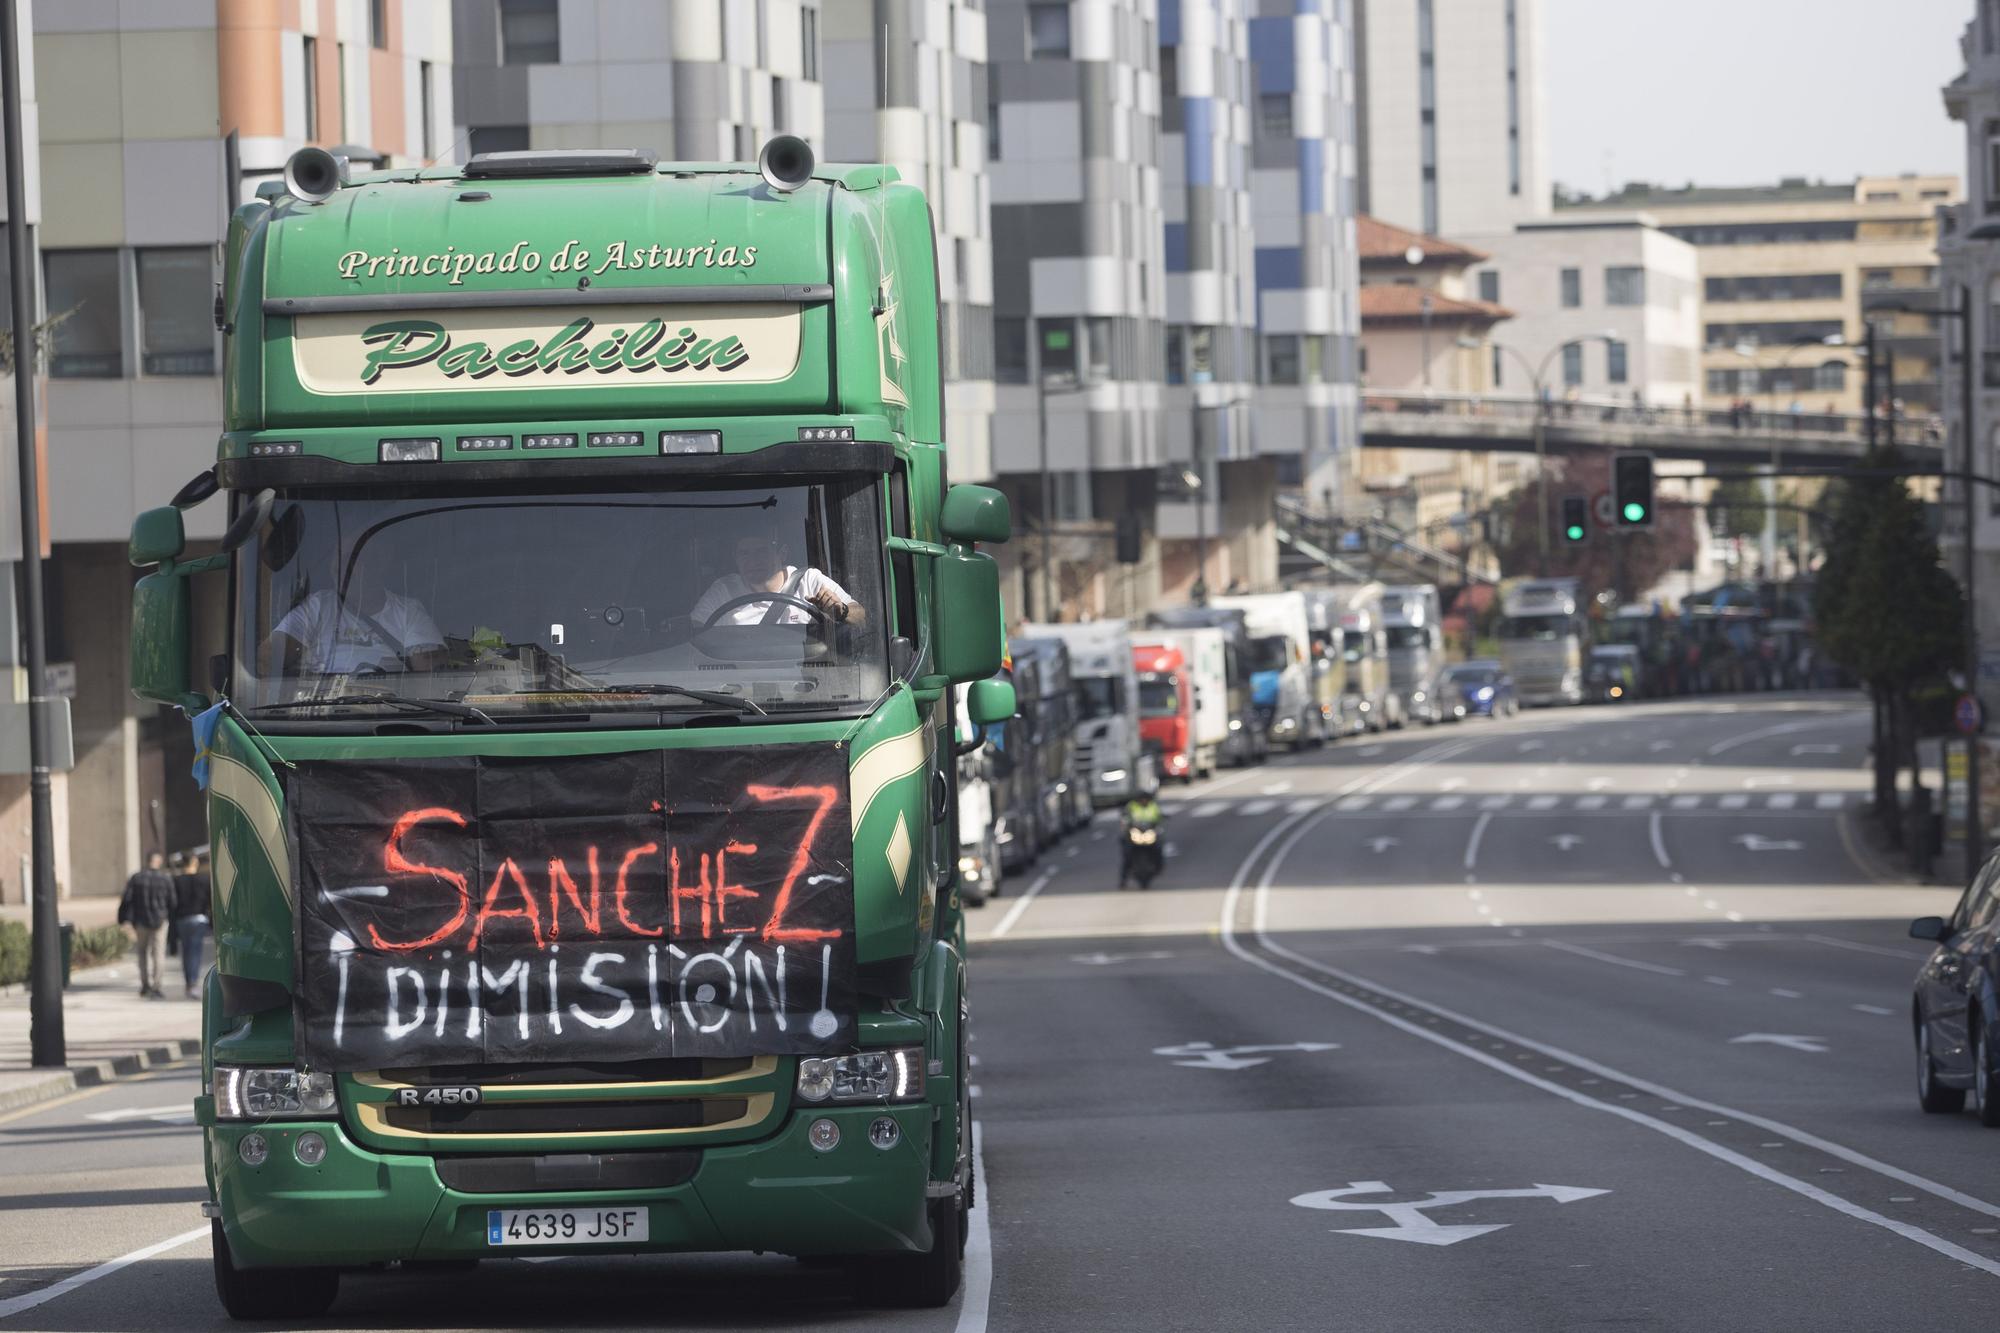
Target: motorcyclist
<point x="1141" y="812"/>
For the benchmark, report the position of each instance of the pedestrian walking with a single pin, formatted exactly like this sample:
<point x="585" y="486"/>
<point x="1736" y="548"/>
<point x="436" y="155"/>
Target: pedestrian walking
<point x="191" y="922"/>
<point x="147" y="906"/>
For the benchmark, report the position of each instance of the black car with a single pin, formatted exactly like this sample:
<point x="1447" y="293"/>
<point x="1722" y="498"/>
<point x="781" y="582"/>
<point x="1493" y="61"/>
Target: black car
<point x="1958" y="1003"/>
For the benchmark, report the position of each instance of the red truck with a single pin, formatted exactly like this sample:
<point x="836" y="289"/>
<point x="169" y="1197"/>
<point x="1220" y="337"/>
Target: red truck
<point x="1166" y="709"/>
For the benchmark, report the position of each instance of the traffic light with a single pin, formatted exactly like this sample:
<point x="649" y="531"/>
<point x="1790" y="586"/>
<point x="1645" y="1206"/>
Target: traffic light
<point x="1576" y="518"/>
<point x="1632" y="490"/>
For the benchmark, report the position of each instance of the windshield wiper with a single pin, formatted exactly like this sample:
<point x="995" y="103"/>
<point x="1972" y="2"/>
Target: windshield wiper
<point x="741" y="705"/>
<point x="448" y="707"/>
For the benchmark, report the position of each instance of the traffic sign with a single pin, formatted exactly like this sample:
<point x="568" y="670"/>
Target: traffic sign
<point x="1965" y="715"/>
<point x="1600" y="509"/>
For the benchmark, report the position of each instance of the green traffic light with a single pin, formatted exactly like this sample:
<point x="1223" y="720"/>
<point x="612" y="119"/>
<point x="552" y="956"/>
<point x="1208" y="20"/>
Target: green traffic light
<point x="1575" y="533"/>
<point x="1635" y="512"/>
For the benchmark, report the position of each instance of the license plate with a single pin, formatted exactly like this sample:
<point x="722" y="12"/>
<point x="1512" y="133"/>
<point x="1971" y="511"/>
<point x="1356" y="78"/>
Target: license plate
<point x="565" y="1226"/>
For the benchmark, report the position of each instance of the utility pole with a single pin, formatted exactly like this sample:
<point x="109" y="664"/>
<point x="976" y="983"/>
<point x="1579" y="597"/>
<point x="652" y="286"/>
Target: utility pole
<point x="1047" y="505"/>
<point x="45" y="1024"/>
<point x="1974" y="832"/>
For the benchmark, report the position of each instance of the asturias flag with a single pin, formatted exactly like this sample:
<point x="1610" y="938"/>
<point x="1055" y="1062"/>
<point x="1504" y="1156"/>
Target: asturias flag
<point x="205" y="723"/>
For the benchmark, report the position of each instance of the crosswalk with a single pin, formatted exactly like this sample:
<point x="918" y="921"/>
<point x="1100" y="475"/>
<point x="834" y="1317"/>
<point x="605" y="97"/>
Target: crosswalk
<point x="1782" y="802"/>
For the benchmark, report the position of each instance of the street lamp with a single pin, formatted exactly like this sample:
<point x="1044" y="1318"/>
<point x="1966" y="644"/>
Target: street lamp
<point x="1198" y="591"/>
<point x="1535" y="376"/>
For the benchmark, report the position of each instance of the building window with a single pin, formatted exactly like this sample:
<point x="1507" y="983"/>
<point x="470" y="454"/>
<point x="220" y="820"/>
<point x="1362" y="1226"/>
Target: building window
<point x="1624" y="284"/>
<point x="781" y="105"/>
<point x="378" y="24"/>
<point x="1010" y="350"/>
<point x="1097" y="332"/>
<point x="1274" y="114"/>
<point x="1281" y="358"/>
<point x="1312" y="359"/>
<point x="310" y="85"/>
<point x="83" y="295"/>
<point x="1772" y="334"/>
<point x="1572" y="288"/>
<point x="1573" y="364"/>
<point x="1830" y="376"/>
<point x="176" y="328"/>
<point x="1058" y="346"/>
<point x="1048" y="32"/>
<point x="427" y="107"/>
<point x="1499" y="359"/>
<point x="497" y="139"/>
<point x="1176" y="369"/>
<point x="530" y="33"/>
<point x="1201" y="354"/>
<point x="1489" y="285"/>
<point x="809" y="42"/>
<point x="1361" y="360"/>
<point x="1614" y="361"/>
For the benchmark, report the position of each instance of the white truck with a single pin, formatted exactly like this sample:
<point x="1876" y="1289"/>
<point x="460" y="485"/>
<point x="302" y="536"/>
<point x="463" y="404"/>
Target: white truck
<point x="1412" y="619"/>
<point x="1204" y="660"/>
<point x="1106" y="685"/>
<point x="978" y="838"/>
<point x="1350" y="615"/>
<point x="1281" y="679"/>
<point x="1543" y="640"/>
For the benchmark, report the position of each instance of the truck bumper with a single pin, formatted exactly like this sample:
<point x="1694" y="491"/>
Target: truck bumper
<point x="360" y="1207"/>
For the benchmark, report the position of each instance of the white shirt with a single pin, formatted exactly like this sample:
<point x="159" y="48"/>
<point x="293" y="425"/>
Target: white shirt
<point x="334" y="638"/>
<point x="810" y="584"/>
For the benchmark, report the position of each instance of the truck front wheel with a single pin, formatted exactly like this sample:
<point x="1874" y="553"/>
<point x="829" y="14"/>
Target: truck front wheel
<point x="269" y="1293"/>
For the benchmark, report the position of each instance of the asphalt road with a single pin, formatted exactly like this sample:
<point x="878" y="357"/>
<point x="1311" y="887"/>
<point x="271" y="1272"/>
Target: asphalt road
<point x="1592" y="1017"/>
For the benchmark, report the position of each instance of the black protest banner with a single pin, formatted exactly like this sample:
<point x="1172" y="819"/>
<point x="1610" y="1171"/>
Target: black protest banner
<point x="494" y="910"/>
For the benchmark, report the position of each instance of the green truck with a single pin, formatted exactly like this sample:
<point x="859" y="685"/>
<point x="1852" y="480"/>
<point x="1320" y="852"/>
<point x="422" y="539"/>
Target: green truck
<point x="580" y="745"/>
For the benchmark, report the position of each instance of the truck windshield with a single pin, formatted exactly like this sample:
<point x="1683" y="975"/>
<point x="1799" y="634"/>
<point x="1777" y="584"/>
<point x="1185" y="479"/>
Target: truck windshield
<point x="1098" y="696"/>
<point x="1159" y="695"/>
<point x="1353" y="645"/>
<point x="1408" y="636"/>
<point x="538" y="600"/>
<point x="1272" y="652"/>
<point x="1542" y="629"/>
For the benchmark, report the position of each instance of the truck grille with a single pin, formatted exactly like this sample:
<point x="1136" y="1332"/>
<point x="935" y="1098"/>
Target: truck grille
<point x="543" y="1117"/>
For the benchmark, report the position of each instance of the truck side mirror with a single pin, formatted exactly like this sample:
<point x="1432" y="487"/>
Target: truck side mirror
<point x="975" y="514"/>
<point x="990" y="702"/>
<point x="158" y="536"/>
<point x="970" y="638"/>
<point x="160" y="633"/>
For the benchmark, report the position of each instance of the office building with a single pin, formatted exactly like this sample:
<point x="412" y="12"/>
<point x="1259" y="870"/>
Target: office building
<point x="1788" y="274"/>
<point x="1453" y="134"/>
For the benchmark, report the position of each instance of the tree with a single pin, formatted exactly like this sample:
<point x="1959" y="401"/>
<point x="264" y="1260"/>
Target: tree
<point x="1626" y="562"/>
<point x="1887" y="609"/>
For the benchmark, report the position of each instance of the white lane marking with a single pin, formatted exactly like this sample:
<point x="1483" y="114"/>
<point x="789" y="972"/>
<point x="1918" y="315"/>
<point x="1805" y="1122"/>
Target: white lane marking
<point x="1791" y="1041"/>
<point x="1566" y="842"/>
<point x="1733" y="801"/>
<point x="1396" y="803"/>
<point x="1830" y="800"/>
<point x="1257" y="807"/>
<point x="1757" y="842"/>
<point x="1685" y="802"/>
<point x="1798" y="750"/>
<point x="1781" y="729"/>
<point x="1495" y="802"/>
<point x="1591" y="802"/>
<point x="1779" y="780"/>
<point x="1637" y="803"/>
<point x="1784" y="994"/>
<point x="1208" y="809"/>
<point x="1526" y="747"/>
<point x="1871" y="1009"/>
<point x="1356" y="803"/>
<point x="1781" y="800"/>
<point x="1718" y="981"/>
<point x="1673" y="1131"/>
<point x="1832" y="942"/>
<point x="180" y="1112"/>
<point x="1543" y="802"/>
<point x="1659" y="841"/>
<point x="1277" y="789"/>
<point x="1632" y="963"/>
<point x="1472" y="843"/>
<point x="1021" y="905"/>
<point x="1369" y="751"/>
<point x="1380" y="845"/>
<point x="1451" y="784"/>
<point x="1658" y="746"/>
<point x="1447" y="802"/>
<point x="1303" y="804"/>
<point x="15" y="1305"/>
<point x="1102" y="959"/>
<point x="1598" y="784"/>
<point x="976" y="1294"/>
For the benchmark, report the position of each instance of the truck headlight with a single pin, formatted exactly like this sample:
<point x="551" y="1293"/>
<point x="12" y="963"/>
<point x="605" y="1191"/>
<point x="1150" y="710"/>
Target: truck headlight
<point x="1236" y="724"/>
<point x="971" y="867"/>
<point x="1112" y="775"/>
<point x="895" y="1075"/>
<point x="252" y="1092"/>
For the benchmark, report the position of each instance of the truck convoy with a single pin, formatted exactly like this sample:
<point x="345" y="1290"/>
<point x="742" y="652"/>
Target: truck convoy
<point x="1017" y="768"/>
<point x="1183" y="700"/>
<point x="1413" y="623"/>
<point x="1061" y="791"/>
<point x="1544" y="638"/>
<point x="580" y="757"/>
<point x="1245" y="742"/>
<point x="1281" y="670"/>
<point x="1106" y="690"/>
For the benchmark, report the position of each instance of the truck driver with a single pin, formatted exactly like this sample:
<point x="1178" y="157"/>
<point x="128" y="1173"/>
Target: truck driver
<point x="761" y="568"/>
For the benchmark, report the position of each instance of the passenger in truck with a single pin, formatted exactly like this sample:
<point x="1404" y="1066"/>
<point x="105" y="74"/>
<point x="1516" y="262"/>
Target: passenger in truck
<point x="373" y="628"/>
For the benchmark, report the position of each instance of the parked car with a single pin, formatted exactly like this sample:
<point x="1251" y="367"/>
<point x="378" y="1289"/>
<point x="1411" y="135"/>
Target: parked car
<point x="1477" y="689"/>
<point x="1955" y="1006"/>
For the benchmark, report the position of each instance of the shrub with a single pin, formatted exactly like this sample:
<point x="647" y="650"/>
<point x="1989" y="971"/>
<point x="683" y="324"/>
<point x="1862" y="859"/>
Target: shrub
<point x="99" y="944"/>
<point x="14" y="953"/>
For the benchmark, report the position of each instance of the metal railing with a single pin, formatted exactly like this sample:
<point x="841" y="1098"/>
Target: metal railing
<point x="1590" y="410"/>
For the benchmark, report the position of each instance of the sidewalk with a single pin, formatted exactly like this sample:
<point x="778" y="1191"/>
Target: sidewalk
<point x="109" y="1031"/>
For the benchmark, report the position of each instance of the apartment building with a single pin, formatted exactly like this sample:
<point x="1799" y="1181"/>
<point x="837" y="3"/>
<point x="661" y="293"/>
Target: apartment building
<point x="1453" y="135"/>
<point x="1790" y="272"/>
<point x="134" y="104"/>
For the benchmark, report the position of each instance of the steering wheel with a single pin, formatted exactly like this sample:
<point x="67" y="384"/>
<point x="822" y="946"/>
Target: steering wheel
<point x="811" y="608"/>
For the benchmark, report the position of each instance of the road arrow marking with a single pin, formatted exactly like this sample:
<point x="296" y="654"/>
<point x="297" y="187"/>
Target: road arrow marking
<point x="1413" y="1225"/>
<point x="1380" y="845"/>
<point x="1790" y="1041"/>
<point x="1566" y="841"/>
<point x="1814" y="749"/>
<point x="1757" y="842"/>
<point x="1101" y="959"/>
<point x="1205" y="1055"/>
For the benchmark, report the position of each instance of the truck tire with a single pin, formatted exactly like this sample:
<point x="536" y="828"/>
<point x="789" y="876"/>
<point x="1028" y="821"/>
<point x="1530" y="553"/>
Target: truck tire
<point x="269" y="1293"/>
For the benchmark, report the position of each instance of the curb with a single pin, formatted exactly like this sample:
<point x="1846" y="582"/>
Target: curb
<point x="61" y="1082"/>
